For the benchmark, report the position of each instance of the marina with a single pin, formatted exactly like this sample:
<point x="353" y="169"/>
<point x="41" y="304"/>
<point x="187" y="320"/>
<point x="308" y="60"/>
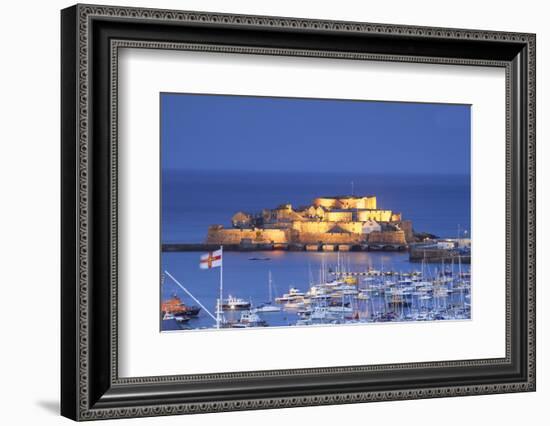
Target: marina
<point x="328" y="288"/>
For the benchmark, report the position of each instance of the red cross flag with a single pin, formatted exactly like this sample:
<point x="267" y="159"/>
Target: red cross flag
<point x="211" y="260"/>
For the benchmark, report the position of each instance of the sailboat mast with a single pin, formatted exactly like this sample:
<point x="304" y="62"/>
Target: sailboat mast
<point x="269" y="287"/>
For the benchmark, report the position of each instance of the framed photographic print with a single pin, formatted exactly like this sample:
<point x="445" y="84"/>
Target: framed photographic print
<point x="266" y="206"/>
<point x="263" y="212"/>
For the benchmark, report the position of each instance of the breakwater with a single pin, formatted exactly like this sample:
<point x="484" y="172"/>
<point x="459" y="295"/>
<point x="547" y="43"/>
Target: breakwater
<point x="417" y="253"/>
<point x="189" y="247"/>
<point x="432" y="255"/>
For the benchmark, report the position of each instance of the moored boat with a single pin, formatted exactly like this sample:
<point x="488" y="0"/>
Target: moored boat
<point x="249" y="319"/>
<point x="175" y="307"/>
<point x="235" y="304"/>
<point x="268" y="306"/>
<point x="292" y="296"/>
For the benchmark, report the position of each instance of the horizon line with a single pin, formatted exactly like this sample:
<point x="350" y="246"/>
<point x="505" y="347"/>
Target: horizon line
<point x="358" y="173"/>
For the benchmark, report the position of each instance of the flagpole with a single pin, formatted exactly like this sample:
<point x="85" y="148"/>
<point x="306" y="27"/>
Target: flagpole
<point x="189" y="294"/>
<point x="221" y="288"/>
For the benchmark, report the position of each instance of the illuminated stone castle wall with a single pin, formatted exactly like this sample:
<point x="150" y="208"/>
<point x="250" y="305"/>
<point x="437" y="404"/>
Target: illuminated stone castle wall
<point x="387" y="237"/>
<point x="377" y="215"/>
<point x="324" y="227"/>
<point x="346" y="202"/>
<point x="329" y="220"/>
<point x="314" y="238"/>
<point x="220" y="235"/>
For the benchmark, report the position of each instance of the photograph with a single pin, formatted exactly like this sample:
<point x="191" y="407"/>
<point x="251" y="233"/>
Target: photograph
<point x="301" y="212"/>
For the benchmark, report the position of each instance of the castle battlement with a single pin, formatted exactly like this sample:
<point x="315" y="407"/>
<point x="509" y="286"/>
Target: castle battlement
<point x="346" y="202"/>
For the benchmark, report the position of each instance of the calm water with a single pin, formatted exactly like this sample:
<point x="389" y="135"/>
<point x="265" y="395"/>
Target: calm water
<point x="193" y="201"/>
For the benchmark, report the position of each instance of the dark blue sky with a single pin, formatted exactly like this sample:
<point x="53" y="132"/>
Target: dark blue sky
<point x="211" y="132"/>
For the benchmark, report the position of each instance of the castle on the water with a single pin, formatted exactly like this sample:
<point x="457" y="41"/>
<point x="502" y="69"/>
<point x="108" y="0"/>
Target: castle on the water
<point x="329" y="223"/>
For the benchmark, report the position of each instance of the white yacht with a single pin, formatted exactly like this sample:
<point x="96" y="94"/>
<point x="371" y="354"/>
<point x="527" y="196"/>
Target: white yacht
<point x="292" y="296"/>
<point x="249" y="319"/>
<point x="234" y="304"/>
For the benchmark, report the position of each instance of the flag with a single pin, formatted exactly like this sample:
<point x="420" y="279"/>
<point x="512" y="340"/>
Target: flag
<point x="211" y="260"/>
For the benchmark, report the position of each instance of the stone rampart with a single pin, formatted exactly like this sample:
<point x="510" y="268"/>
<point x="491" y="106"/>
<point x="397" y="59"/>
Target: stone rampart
<point x="387" y="237"/>
<point x="220" y="235"/>
<point x="338" y="238"/>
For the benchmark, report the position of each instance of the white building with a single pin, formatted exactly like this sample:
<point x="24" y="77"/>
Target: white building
<point x="370" y="226"/>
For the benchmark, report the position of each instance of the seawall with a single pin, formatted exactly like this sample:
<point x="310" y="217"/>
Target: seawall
<point x="205" y="247"/>
<point x="434" y="255"/>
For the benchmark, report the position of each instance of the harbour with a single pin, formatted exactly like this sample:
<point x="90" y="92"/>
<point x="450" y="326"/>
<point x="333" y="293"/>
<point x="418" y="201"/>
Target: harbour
<point x="307" y="289"/>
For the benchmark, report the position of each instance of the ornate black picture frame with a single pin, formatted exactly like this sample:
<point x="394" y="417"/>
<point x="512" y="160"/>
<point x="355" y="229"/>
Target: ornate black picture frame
<point x="91" y="387"/>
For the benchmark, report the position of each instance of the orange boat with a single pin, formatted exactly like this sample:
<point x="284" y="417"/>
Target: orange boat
<point x="176" y="307"/>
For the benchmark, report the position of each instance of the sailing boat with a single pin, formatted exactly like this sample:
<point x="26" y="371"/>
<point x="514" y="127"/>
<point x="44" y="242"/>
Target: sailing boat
<point x="268" y="306"/>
